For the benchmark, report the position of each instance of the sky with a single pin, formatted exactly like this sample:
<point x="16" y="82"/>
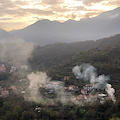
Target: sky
<point x="17" y="14"/>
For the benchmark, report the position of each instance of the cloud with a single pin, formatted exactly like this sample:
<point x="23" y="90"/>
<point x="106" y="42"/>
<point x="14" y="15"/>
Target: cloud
<point x="37" y="11"/>
<point x="8" y="25"/>
<point x="7" y="4"/>
<point x="106" y="2"/>
<point x="12" y="12"/>
<point x="59" y="9"/>
<point x="9" y="8"/>
<point x="80" y="8"/>
<point x="2" y="19"/>
<point x="26" y="10"/>
<point x="90" y="2"/>
<point x="20" y="12"/>
<point x="116" y="3"/>
<point x="52" y="2"/>
<point x="21" y="3"/>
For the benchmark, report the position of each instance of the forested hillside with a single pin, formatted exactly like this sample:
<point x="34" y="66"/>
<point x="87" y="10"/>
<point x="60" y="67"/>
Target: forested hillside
<point x="106" y="60"/>
<point x="48" y="56"/>
<point x="58" y="60"/>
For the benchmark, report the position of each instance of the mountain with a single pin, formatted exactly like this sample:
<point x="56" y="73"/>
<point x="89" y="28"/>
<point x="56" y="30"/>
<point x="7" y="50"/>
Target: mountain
<point x="6" y="36"/>
<point x="47" y="32"/>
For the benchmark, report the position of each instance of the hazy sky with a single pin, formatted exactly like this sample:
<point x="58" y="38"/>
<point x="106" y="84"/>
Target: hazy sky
<point x="17" y="14"/>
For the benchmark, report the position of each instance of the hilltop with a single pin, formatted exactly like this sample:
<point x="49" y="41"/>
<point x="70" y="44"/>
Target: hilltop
<point x="54" y="54"/>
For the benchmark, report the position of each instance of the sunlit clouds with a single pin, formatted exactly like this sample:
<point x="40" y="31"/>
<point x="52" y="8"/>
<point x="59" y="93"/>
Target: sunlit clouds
<point x="17" y="14"/>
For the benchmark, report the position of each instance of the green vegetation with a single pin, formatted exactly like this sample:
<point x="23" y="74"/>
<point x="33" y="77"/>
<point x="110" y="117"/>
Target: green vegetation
<point x="106" y="60"/>
<point x="43" y="58"/>
<point x="16" y="108"/>
<point x="58" y="60"/>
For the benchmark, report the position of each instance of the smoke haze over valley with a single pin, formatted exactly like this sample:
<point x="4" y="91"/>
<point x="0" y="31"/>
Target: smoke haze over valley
<point x="53" y="70"/>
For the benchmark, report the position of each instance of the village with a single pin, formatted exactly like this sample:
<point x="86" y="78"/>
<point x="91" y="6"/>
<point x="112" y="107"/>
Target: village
<point x="49" y="90"/>
<point x="86" y="95"/>
<point x="12" y="69"/>
<point x="5" y="91"/>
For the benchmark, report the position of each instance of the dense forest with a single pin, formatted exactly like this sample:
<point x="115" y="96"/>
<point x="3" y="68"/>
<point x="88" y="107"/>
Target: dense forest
<point x="15" y="108"/>
<point x="54" y="54"/>
<point x="106" y="60"/>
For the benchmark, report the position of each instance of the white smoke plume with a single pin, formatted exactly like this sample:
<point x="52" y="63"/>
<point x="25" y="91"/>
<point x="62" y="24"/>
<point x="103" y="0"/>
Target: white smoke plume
<point x="84" y="71"/>
<point x="88" y="72"/>
<point x="110" y="92"/>
<point x="39" y="79"/>
<point x="16" y="52"/>
<point x="36" y="80"/>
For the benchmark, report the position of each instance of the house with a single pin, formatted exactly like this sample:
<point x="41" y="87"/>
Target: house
<point x="3" y="68"/>
<point x="22" y="80"/>
<point x="71" y="88"/>
<point x="13" y="69"/>
<point x="13" y="88"/>
<point x="38" y="109"/>
<point x="93" y="97"/>
<point x="109" y="98"/>
<point x="87" y="99"/>
<point x="102" y="96"/>
<point x="88" y="87"/>
<point x="66" y="88"/>
<point x="80" y="97"/>
<point x="53" y="85"/>
<point x="24" y="67"/>
<point x="1" y="88"/>
<point x="66" y="77"/>
<point x="23" y="92"/>
<point x="84" y="91"/>
<point x="4" y="93"/>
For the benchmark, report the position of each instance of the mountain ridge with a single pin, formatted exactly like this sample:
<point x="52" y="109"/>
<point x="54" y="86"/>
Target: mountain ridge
<point x="55" y="54"/>
<point x="5" y="36"/>
<point x="45" y="31"/>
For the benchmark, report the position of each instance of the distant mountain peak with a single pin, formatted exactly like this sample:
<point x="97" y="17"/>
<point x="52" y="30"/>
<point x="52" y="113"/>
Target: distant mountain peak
<point x="117" y="9"/>
<point x="6" y="36"/>
<point x="47" y="32"/>
<point x="69" y="21"/>
<point x="44" y="20"/>
<point x="111" y="13"/>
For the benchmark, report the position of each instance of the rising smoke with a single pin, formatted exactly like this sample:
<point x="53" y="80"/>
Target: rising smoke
<point x="15" y="52"/>
<point x="110" y="91"/>
<point x="85" y="72"/>
<point x="100" y="82"/>
<point x="36" y="80"/>
<point x="39" y="79"/>
<point x="18" y="53"/>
